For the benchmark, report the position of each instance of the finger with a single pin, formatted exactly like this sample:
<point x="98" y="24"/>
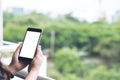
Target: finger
<point x="38" y="50"/>
<point x="16" y="53"/>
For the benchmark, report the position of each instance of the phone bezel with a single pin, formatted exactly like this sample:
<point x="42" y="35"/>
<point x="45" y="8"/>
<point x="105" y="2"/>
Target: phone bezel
<point x="34" y="30"/>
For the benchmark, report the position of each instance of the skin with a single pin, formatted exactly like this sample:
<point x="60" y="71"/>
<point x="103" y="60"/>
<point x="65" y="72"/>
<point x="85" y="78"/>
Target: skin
<point x="33" y="68"/>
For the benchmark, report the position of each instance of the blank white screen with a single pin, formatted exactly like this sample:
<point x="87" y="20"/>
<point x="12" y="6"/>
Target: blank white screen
<point x="29" y="45"/>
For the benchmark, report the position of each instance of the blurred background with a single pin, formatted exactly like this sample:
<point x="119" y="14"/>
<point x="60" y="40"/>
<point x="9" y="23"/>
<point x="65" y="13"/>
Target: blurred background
<point x="81" y="38"/>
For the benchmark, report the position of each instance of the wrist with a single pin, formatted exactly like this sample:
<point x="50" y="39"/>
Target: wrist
<point x="34" y="70"/>
<point x="32" y="75"/>
<point x="8" y="72"/>
<point x="11" y="69"/>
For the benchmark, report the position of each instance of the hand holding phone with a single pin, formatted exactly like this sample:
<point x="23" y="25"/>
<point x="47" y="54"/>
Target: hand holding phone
<point x="30" y="43"/>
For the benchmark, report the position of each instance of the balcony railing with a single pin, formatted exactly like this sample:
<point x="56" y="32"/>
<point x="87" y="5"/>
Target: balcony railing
<point x="10" y="47"/>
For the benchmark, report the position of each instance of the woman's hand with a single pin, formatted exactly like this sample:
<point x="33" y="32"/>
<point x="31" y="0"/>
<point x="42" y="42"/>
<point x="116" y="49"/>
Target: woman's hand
<point x="34" y="66"/>
<point x="15" y="64"/>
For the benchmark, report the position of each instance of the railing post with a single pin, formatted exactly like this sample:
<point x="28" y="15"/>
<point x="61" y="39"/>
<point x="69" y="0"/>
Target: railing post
<point x="1" y="23"/>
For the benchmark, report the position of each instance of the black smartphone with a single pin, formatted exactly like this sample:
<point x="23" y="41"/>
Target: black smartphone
<point x="30" y="43"/>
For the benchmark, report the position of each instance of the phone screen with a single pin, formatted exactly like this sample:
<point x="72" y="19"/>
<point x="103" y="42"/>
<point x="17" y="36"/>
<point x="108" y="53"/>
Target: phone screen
<point x="29" y="45"/>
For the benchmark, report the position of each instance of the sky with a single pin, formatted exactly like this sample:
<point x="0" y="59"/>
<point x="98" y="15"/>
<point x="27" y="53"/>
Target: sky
<point x="82" y="9"/>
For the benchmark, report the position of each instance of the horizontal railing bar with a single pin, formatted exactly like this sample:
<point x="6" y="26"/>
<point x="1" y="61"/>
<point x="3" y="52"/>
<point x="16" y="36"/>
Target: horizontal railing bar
<point x="23" y="74"/>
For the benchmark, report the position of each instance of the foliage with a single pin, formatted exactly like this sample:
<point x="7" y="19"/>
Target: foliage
<point x="102" y="73"/>
<point x="109" y="47"/>
<point x="91" y="37"/>
<point x="7" y="17"/>
<point x="55" y="74"/>
<point x="14" y="34"/>
<point x="71" y="77"/>
<point x="67" y="62"/>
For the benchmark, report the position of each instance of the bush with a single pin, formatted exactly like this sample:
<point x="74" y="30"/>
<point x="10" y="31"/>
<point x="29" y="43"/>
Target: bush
<point x="102" y="73"/>
<point x="67" y="62"/>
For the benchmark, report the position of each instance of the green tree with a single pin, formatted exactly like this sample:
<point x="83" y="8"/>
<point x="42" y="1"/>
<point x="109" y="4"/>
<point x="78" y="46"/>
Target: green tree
<point x="67" y="62"/>
<point x="7" y="17"/>
<point x="109" y="47"/>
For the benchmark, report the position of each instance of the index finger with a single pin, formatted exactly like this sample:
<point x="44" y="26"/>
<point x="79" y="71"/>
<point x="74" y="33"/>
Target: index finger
<point x="39" y="51"/>
<point x="16" y="53"/>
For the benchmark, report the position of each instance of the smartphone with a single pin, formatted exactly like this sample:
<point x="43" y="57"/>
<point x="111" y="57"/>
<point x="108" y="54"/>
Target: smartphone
<point x="30" y="43"/>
